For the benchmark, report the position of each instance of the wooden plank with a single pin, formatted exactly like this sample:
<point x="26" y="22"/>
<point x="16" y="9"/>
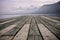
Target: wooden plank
<point x="52" y="29"/>
<point x="49" y="19"/>
<point x="34" y="33"/>
<point x="47" y="35"/>
<point x="29" y="20"/>
<point x="7" y="21"/>
<point x="7" y="29"/>
<point x="31" y="37"/>
<point x="33" y="28"/>
<point x="15" y="29"/>
<point x="9" y="36"/>
<point x="6" y="37"/>
<point x="23" y="33"/>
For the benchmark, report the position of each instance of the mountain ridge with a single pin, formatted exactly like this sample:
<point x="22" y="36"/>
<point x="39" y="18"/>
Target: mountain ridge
<point x="50" y="9"/>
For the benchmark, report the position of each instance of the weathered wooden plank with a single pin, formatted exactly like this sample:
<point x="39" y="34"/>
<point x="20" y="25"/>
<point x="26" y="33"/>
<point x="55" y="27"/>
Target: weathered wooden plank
<point x="51" y="28"/>
<point x="7" y="29"/>
<point x="33" y="31"/>
<point x="12" y="22"/>
<point x="7" y="21"/>
<point x="47" y="35"/>
<point x="15" y="29"/>
<point x="10" y="34"/>
<point x="56" y="25"/>
<point x="29" y="20"/>
<point x="23" y="33"/>
<point x="49" y="19"/>
<point x="31" y="37"/>
<point x="6" y="37"/>
<point x="33" y="28"/>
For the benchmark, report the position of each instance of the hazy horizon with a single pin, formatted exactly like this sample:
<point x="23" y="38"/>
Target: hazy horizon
<point x="22" y="6"/>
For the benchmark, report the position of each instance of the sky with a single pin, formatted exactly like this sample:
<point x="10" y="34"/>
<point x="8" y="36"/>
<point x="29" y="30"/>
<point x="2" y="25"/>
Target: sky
<point x="22" y="6"/>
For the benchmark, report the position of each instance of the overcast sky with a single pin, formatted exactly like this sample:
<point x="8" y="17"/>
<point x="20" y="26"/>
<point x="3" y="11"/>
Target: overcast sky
<point x="17" y="6"/>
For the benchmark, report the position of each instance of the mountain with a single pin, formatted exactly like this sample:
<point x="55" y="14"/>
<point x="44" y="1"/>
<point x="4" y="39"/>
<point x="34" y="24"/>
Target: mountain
<point x="50" y="9"/>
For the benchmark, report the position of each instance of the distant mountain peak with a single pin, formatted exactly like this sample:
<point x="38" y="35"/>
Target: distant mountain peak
<point x="58" y="2"/>
<point x="50" y="9"/>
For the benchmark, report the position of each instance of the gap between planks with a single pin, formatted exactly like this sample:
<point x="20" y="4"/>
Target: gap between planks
<point x="7" y="29"/>
<point x="23" y="33"/>
<point x="7" y="37"/>
<point x="7" y="21"/>
<point x="49" y="19"/>
<point x="47" y="35"/>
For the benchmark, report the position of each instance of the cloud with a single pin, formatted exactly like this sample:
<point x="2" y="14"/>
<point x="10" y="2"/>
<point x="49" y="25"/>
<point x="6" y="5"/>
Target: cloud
<point x="14" y="6"/>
